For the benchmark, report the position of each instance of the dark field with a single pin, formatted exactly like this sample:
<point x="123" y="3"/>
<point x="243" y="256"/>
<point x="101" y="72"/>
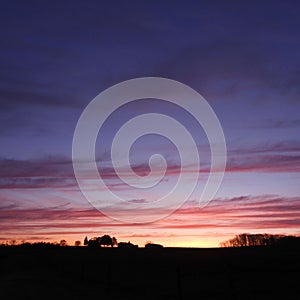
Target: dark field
<point x="170" y="273"/>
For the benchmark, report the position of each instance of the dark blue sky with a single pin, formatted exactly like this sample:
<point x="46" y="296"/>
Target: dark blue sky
<point x="242" y="56"/>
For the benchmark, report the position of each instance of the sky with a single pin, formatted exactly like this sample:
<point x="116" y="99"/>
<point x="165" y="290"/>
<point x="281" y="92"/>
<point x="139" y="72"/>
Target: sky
<point x="241" y="56"/>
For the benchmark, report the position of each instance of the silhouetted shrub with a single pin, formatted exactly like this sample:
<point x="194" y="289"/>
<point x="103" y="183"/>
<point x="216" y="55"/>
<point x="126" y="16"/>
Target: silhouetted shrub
<point x="151" y="246"/>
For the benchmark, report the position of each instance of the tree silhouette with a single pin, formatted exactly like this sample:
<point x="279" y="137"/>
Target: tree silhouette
<point x="114" y="241"/>
<point x="106" y="240"/>
<point x="86" y="241"/>
<point x="248" y="240"/>
<point x="77" y="243"/>
<point x="63" y="243"/>
<point x="94" y="242"/>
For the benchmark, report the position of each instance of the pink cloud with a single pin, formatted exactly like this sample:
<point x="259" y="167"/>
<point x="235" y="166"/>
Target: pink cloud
<point x="246" y="213"/>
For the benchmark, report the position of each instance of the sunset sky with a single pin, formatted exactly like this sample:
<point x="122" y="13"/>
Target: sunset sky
<point x="242" y="57"/>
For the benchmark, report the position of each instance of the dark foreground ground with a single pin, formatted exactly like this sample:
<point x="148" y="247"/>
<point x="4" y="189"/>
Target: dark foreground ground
<point x="82" y="273"/>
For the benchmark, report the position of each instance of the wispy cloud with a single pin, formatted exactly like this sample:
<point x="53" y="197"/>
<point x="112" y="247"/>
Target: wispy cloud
<point x="270" y="213"/>
<point x="57" y="171"/>
<point x="278" y="124"/>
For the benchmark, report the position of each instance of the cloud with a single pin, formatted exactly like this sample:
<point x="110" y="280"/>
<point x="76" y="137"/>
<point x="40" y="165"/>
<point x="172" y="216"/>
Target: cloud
<point x="269" y="148"/>
<point x="278" y="124"/>
<point x="57" y="171"/>
<point x="52" y="171"/>
<point x="265" y="163"/>
<point x="68" y="61"/>
<point x="240" y="213"/>
<point x="245" y="213"/>
<point x="269" y="157"/>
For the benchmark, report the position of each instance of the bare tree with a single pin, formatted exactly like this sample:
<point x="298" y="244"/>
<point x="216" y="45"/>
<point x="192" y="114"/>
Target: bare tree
<point x="258" y="239"/>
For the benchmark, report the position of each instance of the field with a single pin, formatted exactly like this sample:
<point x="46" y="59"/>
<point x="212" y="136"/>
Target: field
<point x="170" y="273"/>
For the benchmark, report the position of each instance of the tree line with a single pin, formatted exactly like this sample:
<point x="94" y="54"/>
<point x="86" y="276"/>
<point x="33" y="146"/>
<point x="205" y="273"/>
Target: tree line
<point x="100" y="241"/>
<point x="258" y="239"/>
